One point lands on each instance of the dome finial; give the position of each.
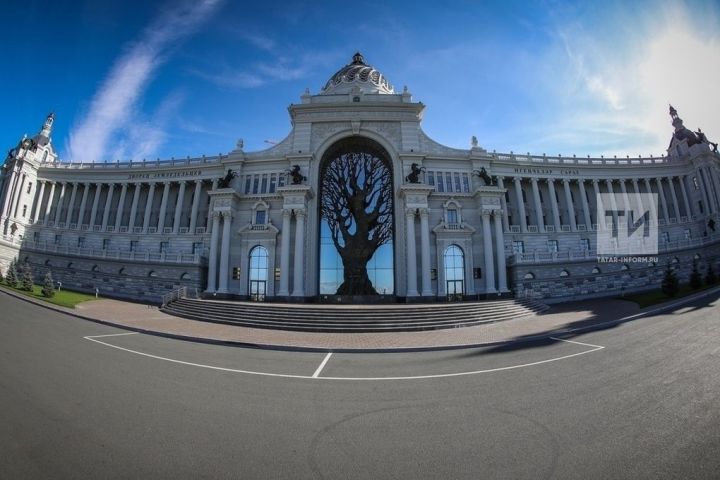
(358, 59)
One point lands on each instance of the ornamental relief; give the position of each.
(321, 131)
(388, 130)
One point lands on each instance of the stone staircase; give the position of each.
(353, 318)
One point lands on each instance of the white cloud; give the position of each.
(113, 109)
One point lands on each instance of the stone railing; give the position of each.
(560, 160)
(173, 162)
(133, 256)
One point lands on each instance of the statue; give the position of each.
(297, 177)
(703, 139)
(711, 224)
(225, 181)
(240, 144)
(474, 142)
(489, 180)
(414, 175)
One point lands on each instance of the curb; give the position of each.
(540, 338)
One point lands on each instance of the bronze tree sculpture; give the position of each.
(357, 204)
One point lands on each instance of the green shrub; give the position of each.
(670, 283)
(48, 289)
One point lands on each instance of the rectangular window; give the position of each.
(448, 181)
(273, 179)
(256, 184)
(29, 187)
(264, 184)
(452, 216)
(458, 187)
(58, 239)
(552, 246)
(133, 245)
(666, 236)
(106, 243)
(507, 197)
(440, 183)
(585, 243)
(700, 207)
(540, 194)
(687, 234)
(466, 183)
(696, 184)
(248, 179)
(164, 246)
(281, 180)
(36, 236)
(197, 247)
(260, 217)
(523, 195)
(431, 178)
(81, 242)
(24, 210)
(518, 246)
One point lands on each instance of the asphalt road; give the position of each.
(647, 405)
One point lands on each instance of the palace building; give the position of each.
(357, 204)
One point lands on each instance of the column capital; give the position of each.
(286, 212)
(226, 214)
(300, 213)
(486, 213)
(423, 212)
(410, 212)
(550, 181)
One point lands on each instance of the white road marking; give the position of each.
(322, 365)
(576, 343)
(111, 335)
(317, 372)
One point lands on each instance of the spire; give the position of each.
(47, 125)
(676, 120)
(358, 59)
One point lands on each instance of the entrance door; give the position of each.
(454, 290)
(257, 290)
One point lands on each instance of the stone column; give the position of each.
(39, 204)
(600, 213)
(521, 204)
(538, 206)
(625, 197)
(134, 207)
(689, 210)
(663, 203)
(713, 180)
(411, 254)
(500, 247)
(503, 205)
(163, 208)
(638, 195)
(585, 206)
(569, 201)
(488, 252)
(553, 204)
(108, 205)
(19, 196)
(178, 206)
(50, 202)
(121, 207)
(613, 203)
(213, 257)
(703, 191)
(425, 253)
(298, 270)
(71, 205)
(94, 208)
(195, 205)
(61, 199)
(653, 204)
(673, 195)
(9, 189)
(148, 208)
(285, 254)
(225, 253)
(83, 204)
(209, 225)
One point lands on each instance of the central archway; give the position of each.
(356, 220)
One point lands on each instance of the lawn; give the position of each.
(646, 299)
(64, 298)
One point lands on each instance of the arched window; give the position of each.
(454, 264)
(152, 274)
(69, 265)
(675, 260)
(185, 276)
(258, 273)
(625, 266)
(122, 271)
(564, 273)
(95, 268)
(47, 263)
(596, 270)
(529, 276)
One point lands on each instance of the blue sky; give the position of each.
(159, 79)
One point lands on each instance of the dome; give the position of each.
(357, 73)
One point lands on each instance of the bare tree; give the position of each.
(357, 203)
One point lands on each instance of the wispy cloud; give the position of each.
(113, 110)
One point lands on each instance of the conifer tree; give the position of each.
(26, 277)
(695, 277)
(48, 289)
(710, 277)
(670, 284)
(11, 277)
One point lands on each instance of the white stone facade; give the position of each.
(138, 229)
